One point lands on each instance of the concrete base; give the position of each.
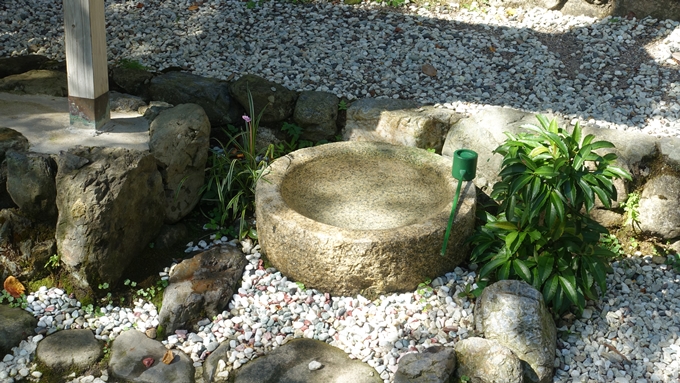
(361, 217)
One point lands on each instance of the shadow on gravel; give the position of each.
(515, 67)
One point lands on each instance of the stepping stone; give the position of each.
(15, 326)
(309, 361)
(132, 347)
(70, 350)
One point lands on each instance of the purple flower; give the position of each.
(245, 118)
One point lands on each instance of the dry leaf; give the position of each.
(429, 70)
(13, 287)
(168, 357)
(148, 362)
(140, 5)
(510, 12)
(193, 7)
(492, 49)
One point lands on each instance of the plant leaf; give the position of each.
(522, 270)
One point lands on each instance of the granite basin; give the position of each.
(361, 217)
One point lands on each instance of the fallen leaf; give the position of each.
(140, 5)
(429, 70)
(168, 357)
(148, 362)
(193, 7)
(13, 287)
(398, 30)
(492, 49)
(510, 12)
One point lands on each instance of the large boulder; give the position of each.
(201, 286)
(383, 120)
(47, 82)
(9, 139)
(316, 113)
(20, 64)
(487, 361)
(25, 245)
(434, 365)
(132, 347)
(15, 326)
(70, 350)
(133, 80)
(277, 101)
(293, 363)
(658, 211)
(111, 205)
(513, 314)
(180, 139)
(30, 183)
(211, 94)
(659, 9)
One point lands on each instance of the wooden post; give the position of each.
(88, 81)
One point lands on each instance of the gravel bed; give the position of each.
(614, 73)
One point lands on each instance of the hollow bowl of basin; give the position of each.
(362, 217)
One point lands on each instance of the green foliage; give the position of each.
(300, 286)
(53, 262)
(612, 243)
(342, 105)
(630, 207)
(672, 260)
(233, 174)
(131, 64)
(540, 234)
(13, 302)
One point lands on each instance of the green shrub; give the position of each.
(233, 173)
(543, 234)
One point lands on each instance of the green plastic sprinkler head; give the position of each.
(464, 168)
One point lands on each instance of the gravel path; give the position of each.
(616, 73)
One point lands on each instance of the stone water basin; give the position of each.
(361, 217)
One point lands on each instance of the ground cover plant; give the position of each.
(542, 233)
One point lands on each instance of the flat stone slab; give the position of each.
(362, 217)
(15, 325)
(290, 363)
(130, 349)
(70, 349)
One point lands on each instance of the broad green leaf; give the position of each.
(553, 128)
(581, 156)
(557, 204)
(522, 270)
(550, 288)
(535, 235)
(528, 161)
(538, 150)
(568, 284)
(588, 139)
(577, 133)
(545, 266)
(610, 157)
(510, 238)
(602, 196)
(616, 172)
(519, 183)
(503, 225)
(491, 266)
(601, 145)
(545, 171)
(504, 271)
(512, 169)
(587, 193)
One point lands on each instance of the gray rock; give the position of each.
(487, 361)
(169, 235)
(363, 116)
(211, 362)
(607, 218)
(590, 8)
(151, 111)
(131, 347)
(201, 287)
(483, 133)
(111, 205)
(26, 244)
(434, 365)
(133, 81)
(290, 364)
(20, 64)
(15, 326)
(211, 94)
(70, 350)
(658, 208)
(47, 82)
(122, 102)
(424, 127)
(316, 113)
(513, 314)
(6, 201)
(179, 140)
(670, 152)
(9, 139)
(30, 183)
(277, 101)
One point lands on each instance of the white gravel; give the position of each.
(614, 73)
